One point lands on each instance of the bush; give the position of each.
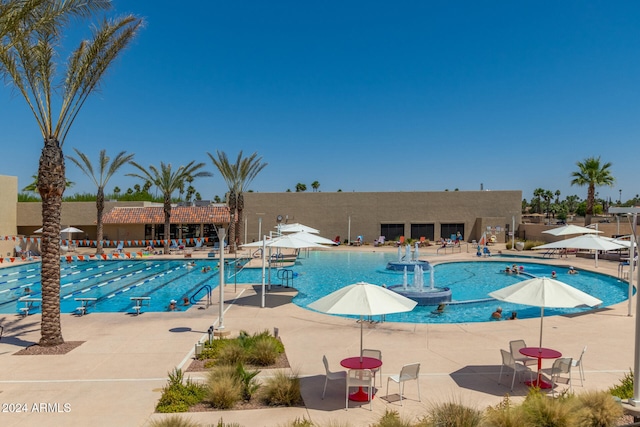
(624, 390)
(282, 390)
(528, 244)
(599, 409)
(264, 352)
(247, 381)
(452, 414)
(224, 389)
(174, 421)
(232, 353)
(392, 419)
(504, 414)
(539, 410)
(178, 396)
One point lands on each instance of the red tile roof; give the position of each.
(179, 215)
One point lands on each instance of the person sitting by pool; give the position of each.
(554, 275)
(172, 305)
(514, 315)
(185, 300)
(497, 315)
(573, 270)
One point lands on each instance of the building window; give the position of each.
(392, 231)
(450, 230)
(423, 230)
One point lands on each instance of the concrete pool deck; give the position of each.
(116, 375)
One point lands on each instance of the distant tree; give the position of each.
(106, 169)
(557, 194)
(137, 188)
(301, 187)
(129, 191)
(216, 199)
(288, 190)
(116, 190)
(238, 177)
(592, 174)
(168, 181)
(538, 194)
(339, 190)
(315, 185)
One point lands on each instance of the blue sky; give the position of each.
(365, 95)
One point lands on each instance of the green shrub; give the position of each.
(264, 352)
(211, 350)
(541, 411)
(247, 380)
(504, 414)
(282, 390)
(599, 409)
(624, 390)
(452, 414)
(223, 424)
(178, 395)
(391, 419)
(224, 389)
(174, 421)
(528, 244)
(232, 353)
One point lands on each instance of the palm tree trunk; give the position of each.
(233, 203)
(167, 222)
(100, 210)
(51, 185)
(591, 196)
(240, 223)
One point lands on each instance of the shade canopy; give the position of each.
(71, 230)
(587, 241)
(544, 292)
(286, 241)
(294, 228)
(314, 238)
(570, 229)
(363, 299)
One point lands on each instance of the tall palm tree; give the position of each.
(105, 172)
(315, 185)
(31, 32)
(168, 181)
(238, 177)
(592, 173)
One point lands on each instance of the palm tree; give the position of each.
(167, 181)
(33, 186)
(300, 187)
(105, 172)
(591, 173)
(238, 177)
(31, 33)
(315, 185)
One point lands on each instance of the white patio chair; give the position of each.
(331, 376)
(360, 378)
(407, 373)
(577, 363)
(376, 354)
(561, 367)
(515, 347)
(510, 362)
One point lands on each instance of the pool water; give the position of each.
(317, 274)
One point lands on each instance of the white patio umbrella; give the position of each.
(294, 228)
(544, 292)
(569, 229)
(303, 235)
(39, 230)
(69, 231)
(363, 299)
(586, 241)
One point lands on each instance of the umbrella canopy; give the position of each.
(587, 241)
(294, 228)
(303, 235)
(71, 230)
(39, 230)
(544, 292)
(569, 229)
(287, 241)
(363, 299)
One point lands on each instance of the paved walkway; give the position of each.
(115, 377)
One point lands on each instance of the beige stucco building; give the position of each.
(368, 214)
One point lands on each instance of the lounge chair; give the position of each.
(120, 247)
(198, 246)
(19, 251)
(379, 241)
(337, 240)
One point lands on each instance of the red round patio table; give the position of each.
(540, 353)
(359, 363)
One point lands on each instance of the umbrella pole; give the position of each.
(541, 323)
(361, 322)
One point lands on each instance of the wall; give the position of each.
(330, 212)
(8, 213)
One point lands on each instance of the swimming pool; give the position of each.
(319, 273)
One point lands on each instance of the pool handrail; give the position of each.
(205, 287)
